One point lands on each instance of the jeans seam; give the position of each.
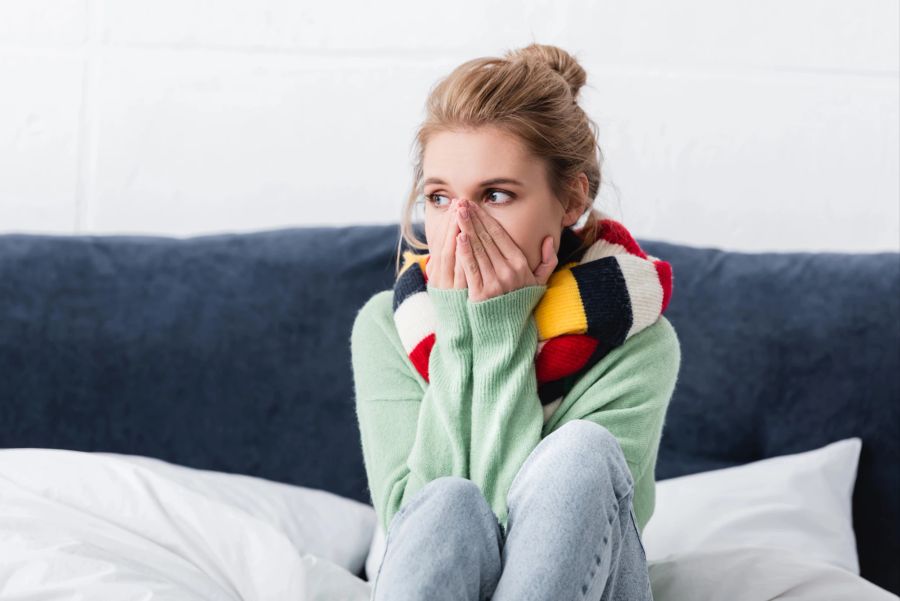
(637, 530)
(597, 552)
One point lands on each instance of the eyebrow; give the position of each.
(488, 182)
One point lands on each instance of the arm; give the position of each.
(628, 392)
(412, 431)
(506, 412)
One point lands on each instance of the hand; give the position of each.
(442, 268)
(492, 261)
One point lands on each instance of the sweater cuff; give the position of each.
(503, 317)
(451, 317)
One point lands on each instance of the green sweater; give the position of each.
(480, 416)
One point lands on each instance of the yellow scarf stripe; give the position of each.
(560, 310)
(410, 257)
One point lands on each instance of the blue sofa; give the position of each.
(231, 352)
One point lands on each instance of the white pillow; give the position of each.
(96, 526)
(800, 502)
(318, 522)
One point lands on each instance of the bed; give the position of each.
(177, 420)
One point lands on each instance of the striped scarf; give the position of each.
(596, 299)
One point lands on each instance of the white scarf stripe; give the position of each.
(644, 290)
(415, 320)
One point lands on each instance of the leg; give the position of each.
(444, 543)
(571, 532)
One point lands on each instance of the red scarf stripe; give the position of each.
(664, 269)
(562, 355)
(615, 233)
(419, 355)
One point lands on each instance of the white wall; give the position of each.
(769, 125)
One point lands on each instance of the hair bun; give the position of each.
(557, 59)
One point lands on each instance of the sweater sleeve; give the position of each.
(412, 431)
(506, 411)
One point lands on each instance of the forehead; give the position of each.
(474, 154)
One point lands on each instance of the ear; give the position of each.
(577, 201)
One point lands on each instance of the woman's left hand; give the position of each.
(492, 261)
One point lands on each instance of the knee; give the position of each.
(449, 523)
(455, 499)
(583, 432)
(594, 451)
(454, 490)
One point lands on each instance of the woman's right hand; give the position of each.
(442, 269)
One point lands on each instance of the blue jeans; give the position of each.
(571, 532)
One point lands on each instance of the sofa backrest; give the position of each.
(231, 352)
(784, 353)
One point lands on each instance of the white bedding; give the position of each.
(113, 529)
(756, 574)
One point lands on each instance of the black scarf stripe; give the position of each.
(605, 299)
(411, 281)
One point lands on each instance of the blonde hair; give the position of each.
(531, 93)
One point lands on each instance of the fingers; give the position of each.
(434, 258)
(470, 265)
(477, 247)
(448, 248)
(483, 236)
(549, 261)
(459, 273)
(501, 237)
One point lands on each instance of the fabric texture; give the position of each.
(480, 416)
(596, 298)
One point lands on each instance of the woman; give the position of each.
(511, 388)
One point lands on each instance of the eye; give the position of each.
(497, 191)
(431, 199)
(434, 196)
